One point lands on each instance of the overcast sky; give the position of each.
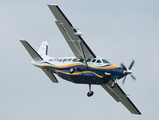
(118, 30)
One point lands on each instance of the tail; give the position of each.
(43, 50)
(37, 56)
(42, 53)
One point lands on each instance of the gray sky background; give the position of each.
(118, 30)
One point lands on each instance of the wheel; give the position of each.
(72, 70)
(113, 85)
(89, 94)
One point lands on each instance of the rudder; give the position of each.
(43, 50)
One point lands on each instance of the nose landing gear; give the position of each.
(114, 83)
(90, 93)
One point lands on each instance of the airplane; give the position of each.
(85, 67)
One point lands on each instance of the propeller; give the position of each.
(128, 71)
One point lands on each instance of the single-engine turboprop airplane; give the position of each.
(85, 67)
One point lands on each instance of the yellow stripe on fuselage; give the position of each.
(64, 66)
(78, 73)
(107, 67)
(82, 72)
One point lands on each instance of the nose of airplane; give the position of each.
(126, 72)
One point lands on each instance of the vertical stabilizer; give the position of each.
(43, 50)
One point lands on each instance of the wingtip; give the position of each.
(138, 113)
(22, 40)
(52, 5)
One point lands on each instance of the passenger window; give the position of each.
(81, 60)
(69, 59)
(98, 61)
(74, 59)
(59, 60)
(88, 60)
(93, 60)
(64, 60)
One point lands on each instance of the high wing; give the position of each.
(118, 94)
(72, 36)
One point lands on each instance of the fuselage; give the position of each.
(97, 70)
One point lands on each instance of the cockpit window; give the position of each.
(105, 61)
(59, 60)
(98, 61)
(64, 60)
(69, 59)
(93, 60)
(74, 59)
(88, 60)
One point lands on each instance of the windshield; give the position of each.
(105, 61)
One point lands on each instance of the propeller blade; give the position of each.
(127, 71)
(133, 77)
(123, 66)
(131, 64)
(124, 80)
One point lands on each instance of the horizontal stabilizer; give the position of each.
(31, 51)
(51, 76)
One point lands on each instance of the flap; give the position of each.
(72, 36)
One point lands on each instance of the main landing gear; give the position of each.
(90, 93)
(72, 70)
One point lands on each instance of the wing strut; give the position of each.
(83, 53)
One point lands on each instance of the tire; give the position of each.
(89, 94)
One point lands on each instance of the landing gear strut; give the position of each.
(114, 83)
(90, 93)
